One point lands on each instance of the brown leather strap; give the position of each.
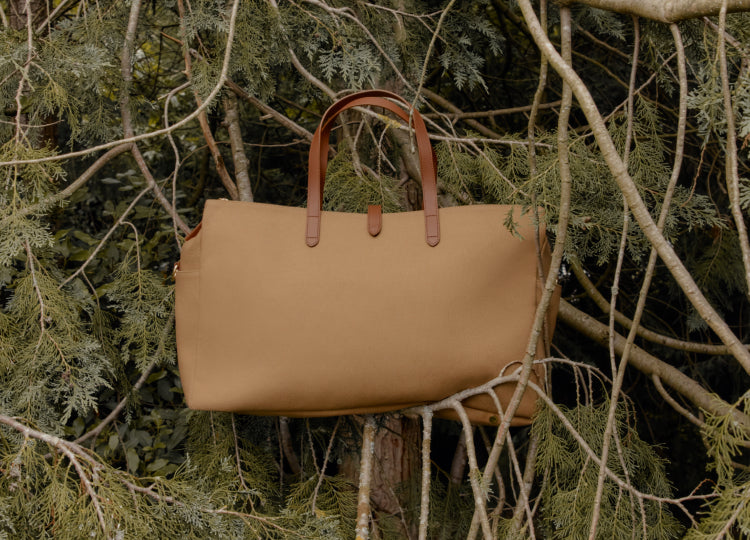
(374, 219)
(326, 128)
(319, 161)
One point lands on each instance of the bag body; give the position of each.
(361, 319)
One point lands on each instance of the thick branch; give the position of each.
(648, 364)
(666, 11)
(630, 192)
(645, 333)
(365, 475)
(238, 148)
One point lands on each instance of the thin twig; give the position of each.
(456, 113)
(538, 94)
(618, 371)
(177, 162)
(237, 459)
(71, 188)
(158, 193)
(480, 495)
(103, 241)
(649, 335)
(673, 403)
(310, 77)
(325, 464)
(60, 7)
(35, 283)
(460, 115)
(221, 168)
(526, 482)
(428, 54)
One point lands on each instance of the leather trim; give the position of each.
(318, 161)
(374, 219)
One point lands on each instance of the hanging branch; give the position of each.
(221, 168)
(327, 457)
(541, 311)
(630, 191)
(570, 428)
(126, 69)
(75, 455)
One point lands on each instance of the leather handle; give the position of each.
(319, 161)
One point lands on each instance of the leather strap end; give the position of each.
(374, 219)
(432, 227)
(313, 230)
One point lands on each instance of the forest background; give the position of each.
(629, 123)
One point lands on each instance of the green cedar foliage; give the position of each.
(571, 482)
(73, 347)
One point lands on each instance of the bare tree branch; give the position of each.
(630, 192)
(650, 365)
(666, 11)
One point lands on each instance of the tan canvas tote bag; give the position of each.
(300, 312)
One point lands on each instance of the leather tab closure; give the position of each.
(374, 219)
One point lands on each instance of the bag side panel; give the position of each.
(187, 313)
